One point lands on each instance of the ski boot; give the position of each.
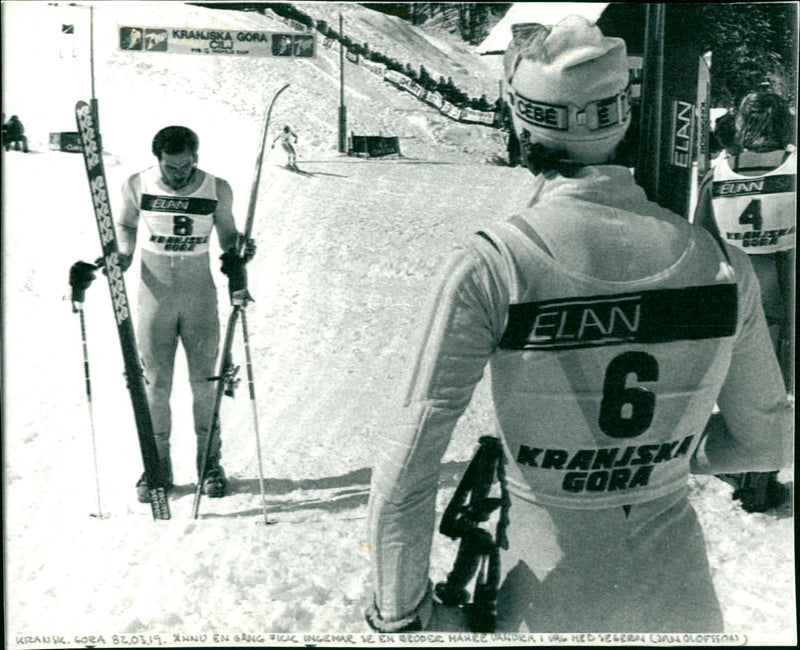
(214, 483)
(143, 490)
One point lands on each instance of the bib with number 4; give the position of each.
(756, 213)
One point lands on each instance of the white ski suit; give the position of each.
(177, 298)
(611, 327)
(755, 210)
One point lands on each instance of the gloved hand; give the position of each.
(249, 248)
(234, 267)
(232, 264)
(123, 260)
(81, 276)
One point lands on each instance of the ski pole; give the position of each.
(225, 376)
(226, 369)
(251, 387)
(77, 306)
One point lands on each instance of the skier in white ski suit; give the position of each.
(611, 326)
(177, 300)
(749, 199)
(288, 140)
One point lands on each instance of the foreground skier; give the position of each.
(611, 326)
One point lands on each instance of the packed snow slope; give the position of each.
(139, 92)
(347, 259)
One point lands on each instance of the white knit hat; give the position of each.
(568, 87)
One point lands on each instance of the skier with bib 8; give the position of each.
(611, 326)
(180, 205)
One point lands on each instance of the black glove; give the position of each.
(232, 264)
(235, 268)
(123, 260)
(248, 249)
(81, 276)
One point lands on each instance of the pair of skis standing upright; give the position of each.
(95, 171)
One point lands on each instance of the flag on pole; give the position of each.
(66, 45)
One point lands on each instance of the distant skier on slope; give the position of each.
(180, 205)
(288, 140)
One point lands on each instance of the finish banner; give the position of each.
(182, 40)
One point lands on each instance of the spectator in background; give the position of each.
(14, 134)
(748, 199)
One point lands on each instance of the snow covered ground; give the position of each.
(346, 260)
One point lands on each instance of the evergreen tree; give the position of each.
(751, 43)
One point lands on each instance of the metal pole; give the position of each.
(91, 46)
(226, 376)
(251, 387)
(93, 102)
(342, 109)
(77, 306)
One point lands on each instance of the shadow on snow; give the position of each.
(339, 493)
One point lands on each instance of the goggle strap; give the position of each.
(595, 115)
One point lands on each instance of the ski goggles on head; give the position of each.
(595, 116)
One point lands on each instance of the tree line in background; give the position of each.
(445, 87)
(471, 20)
(752, 44)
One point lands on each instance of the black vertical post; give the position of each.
(648, 166)
(669, 101)
(342, 109)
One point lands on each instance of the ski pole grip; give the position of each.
(78, 294)
(81, 275)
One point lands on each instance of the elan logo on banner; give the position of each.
(180, 40)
